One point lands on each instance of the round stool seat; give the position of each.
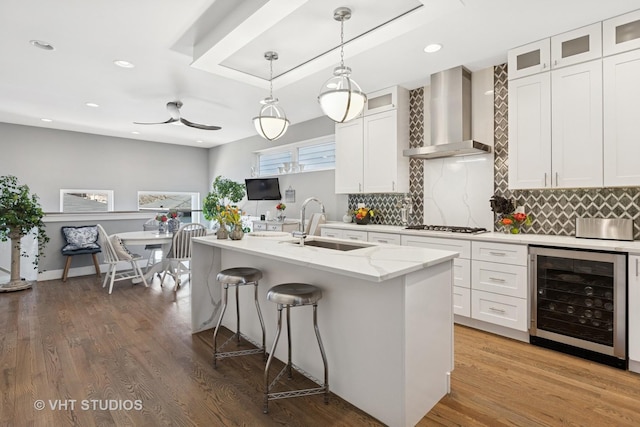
(239, 275)
(294, 294)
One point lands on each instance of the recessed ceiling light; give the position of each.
(46, 120)
(124, 64)
(199, 141)
(41, 44)
(91, 104)
(433, 48)
(135, 132)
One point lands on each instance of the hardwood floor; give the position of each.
(129, 359)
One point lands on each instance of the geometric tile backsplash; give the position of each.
(554, 211)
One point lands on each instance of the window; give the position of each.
(311, 155)
(86, 200)
(161, 201)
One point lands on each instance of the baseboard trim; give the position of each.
(88, 270)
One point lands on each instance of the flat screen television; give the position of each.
(263, 189)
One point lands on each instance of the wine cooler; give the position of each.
(579, 303)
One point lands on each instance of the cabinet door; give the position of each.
(573, 47)
(634, 308)
(380, 152)
(576, 123)
(349, 148)
(384, 238)
(621, 34)
(331, 232)
(530, 132)
(529, 59)
(621, 123)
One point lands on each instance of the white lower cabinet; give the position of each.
(633, 300)
(275, 226)
(499, 284)
(461, 267)
(344, 234)
(383, 238)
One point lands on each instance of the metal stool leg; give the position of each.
(255, 298)
(289, 370)
(270, 359)
(324, 357)
(215, 333)
(237, 314)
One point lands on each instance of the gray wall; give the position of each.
(234, 161)
(48, 160)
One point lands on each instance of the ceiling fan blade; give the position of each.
(198, 126)
(157, 123)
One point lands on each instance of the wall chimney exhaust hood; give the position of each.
(450, 118)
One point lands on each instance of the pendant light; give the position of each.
(272, 121)
(341, 98)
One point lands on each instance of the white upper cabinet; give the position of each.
(530, 132)
(573, 47)
(622, 119)
(621, 34)
(382, 100)
(529, 59)
(349, 157)
(369, 149)
(576, 126)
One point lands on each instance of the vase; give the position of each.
(346, 218)
(162, 227)
(281, 216)
(363, 221)
(222, 233)
(174, 225)
(236, 234)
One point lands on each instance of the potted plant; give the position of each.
(224, 192)
(20, 215)
(233, 218)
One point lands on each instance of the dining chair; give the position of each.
(115, 251)
(80, 241)
(178, 261)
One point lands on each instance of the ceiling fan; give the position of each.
(174, 112)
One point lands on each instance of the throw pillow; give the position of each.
(122, 252)
(84, 237)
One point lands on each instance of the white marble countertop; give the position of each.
(522, 239)
(375, 262)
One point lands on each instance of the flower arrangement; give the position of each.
(233, 217)
(173, 213)
(281, 206)
(514, 221)
(363, 215)
(162, 218)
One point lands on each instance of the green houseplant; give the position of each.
(224, 191)
(20, 215)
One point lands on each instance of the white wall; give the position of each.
(48, 160)
(234, 161)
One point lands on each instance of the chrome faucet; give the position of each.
(301, 233)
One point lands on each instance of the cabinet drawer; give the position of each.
(462, 272)
(355, 235)
(503, 253)
(331, 232)
(499, 309)
(462, 301)
(274, 227)
(461, 246)
(386, 238)
(502, 279)
(257, 226)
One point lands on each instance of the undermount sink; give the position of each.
(328, 244)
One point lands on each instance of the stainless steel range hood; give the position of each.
(450, 118)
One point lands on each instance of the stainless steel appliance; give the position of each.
(579, 301)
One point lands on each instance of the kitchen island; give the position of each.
(385, 317)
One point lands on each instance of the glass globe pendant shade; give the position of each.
(341, 99)
(272, 122)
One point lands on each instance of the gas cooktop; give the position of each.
(448, 229)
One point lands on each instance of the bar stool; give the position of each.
(289, 295)
(237, 277)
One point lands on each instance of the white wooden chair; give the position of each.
(115, 251)
(178, 261)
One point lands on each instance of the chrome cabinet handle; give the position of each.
(545, 179)
(393, 185)
(636, 267)
(497, 310)
(360, 187)
(557, 183)
(382, 241)
(497, 253)
(497, 279)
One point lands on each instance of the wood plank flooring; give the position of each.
(129, 359)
